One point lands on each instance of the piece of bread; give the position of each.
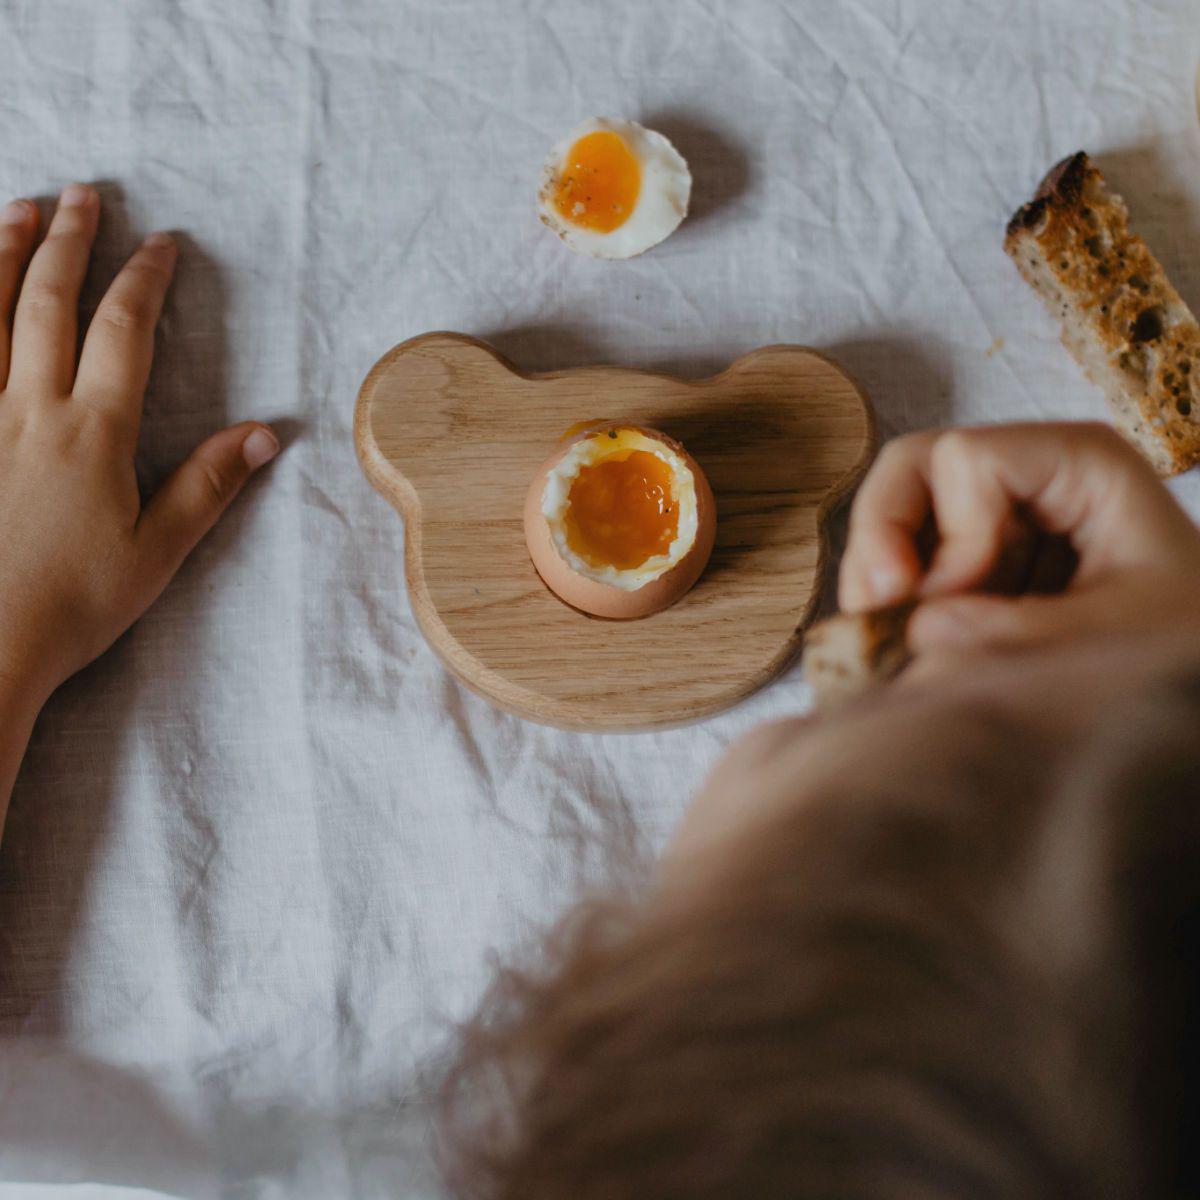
(852, 652)
(1121, 319)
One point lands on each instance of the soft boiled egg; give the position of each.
(619, 521)
(611, 189)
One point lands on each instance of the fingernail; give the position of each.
(159, 241)
(886, 584)
(259, 448)
(75, 195)
(15, 212)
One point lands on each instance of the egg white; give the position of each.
(595, 449)
(662, 201)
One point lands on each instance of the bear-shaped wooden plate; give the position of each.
(451, 434)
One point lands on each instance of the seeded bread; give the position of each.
(1121, 319)
(852, 652)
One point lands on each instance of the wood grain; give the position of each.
(451, 433)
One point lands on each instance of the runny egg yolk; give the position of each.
(599, 182)
(622, 511)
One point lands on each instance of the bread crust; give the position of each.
(850, 653)
(1122, 320)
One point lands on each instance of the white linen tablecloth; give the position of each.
(262, 853)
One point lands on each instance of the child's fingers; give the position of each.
(18, 227)
(189, 503)
(115, 363)
(974, 513)
(979, 622)
(1080, 481)
(881, 565)
(44, 331)
(985, 490)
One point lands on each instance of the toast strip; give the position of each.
(1123, 322)
(850, 653)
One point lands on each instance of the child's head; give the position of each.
(909, 955)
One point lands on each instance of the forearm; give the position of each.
(19, 707)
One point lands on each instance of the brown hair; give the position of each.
(943, 989)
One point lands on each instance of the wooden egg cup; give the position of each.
(451, 433)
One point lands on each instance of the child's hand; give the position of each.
(80, 557)
(1138, 553)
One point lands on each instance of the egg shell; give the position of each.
(603, 599)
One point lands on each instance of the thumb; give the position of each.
(188, 505)
(979, 622)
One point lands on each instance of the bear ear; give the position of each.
(414, 397)
(430, 364)
(450, 352)
(772, 362)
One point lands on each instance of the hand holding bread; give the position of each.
(1005, 502)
